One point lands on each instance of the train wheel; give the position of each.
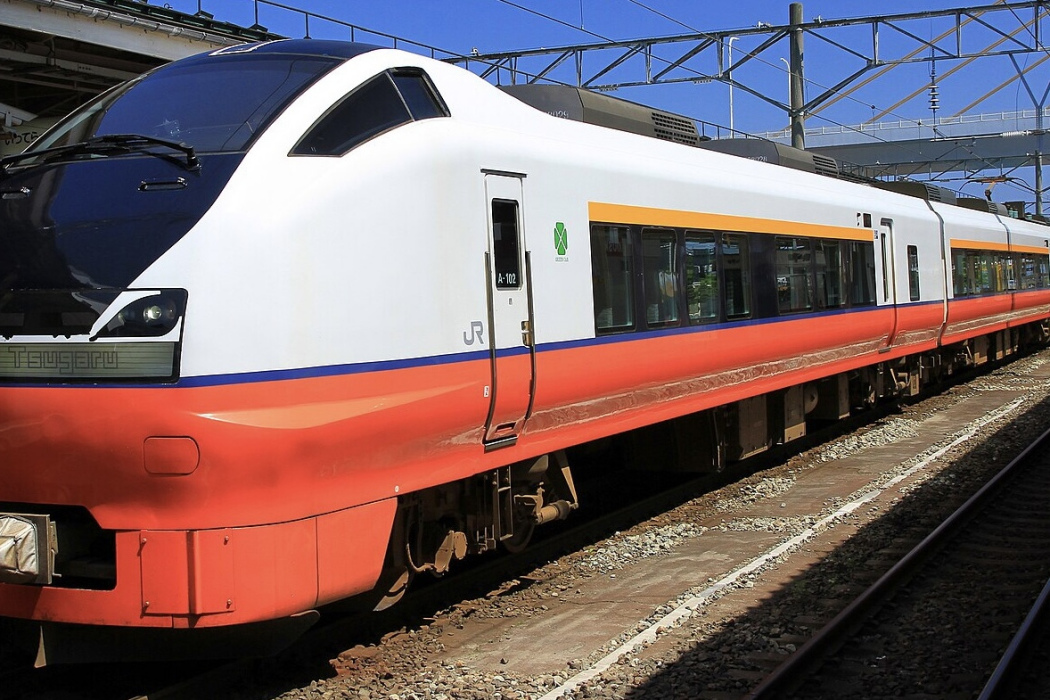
(524, 526)
(863, 389)
(545, 493)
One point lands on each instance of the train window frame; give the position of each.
(963, 283)
(985, 272)
(614, 297)
(999, 271)
(356, 118)
(419, 94)
(660, 285)
(863, 288)
(1033, 271)
(703, 288)
(737, 277)
(973, 263)
(913, 273)
(794, 274)
(830, 274)
(1011, 272)
(1025, 266)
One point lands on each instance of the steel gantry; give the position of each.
(854, 53)
(978, 32)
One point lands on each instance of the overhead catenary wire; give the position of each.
(604, 38)
(496, 65)
(753, 56)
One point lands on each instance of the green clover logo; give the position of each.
(561, 238)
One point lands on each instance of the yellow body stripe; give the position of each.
(987, 245)
(650, 216)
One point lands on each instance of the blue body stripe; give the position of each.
(473, 356)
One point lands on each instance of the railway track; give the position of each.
(933, 623)
(1021, 670)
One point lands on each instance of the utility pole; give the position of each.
(1039, 103)
(798, 119)
(732, 131)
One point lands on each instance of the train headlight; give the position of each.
(148, 317)
(152, 314)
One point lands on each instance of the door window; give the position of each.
(505, 252)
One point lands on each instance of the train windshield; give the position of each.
(210, 105)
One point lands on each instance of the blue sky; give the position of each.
(503, 25)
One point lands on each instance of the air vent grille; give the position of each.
(933, 193)
(979, 204)
(670, 127)
(825, 165)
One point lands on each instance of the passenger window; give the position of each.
(829, 274)
(862, 273)
(962, 279)
(1000, 272)
(736, 263)
(1033, 272)
(611, 267)
(913, 273)
(701, 277)
(973, 263)
(659, 277)
(384, 102)
(794, 286)
(1025, 272)
(506, 257)
(985, 273)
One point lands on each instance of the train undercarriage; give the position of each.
(443, 524)
(499, 508)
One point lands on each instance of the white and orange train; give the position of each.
(286, 323)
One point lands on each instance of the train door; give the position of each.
(889, 274)
(510, 311)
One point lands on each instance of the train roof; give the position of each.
(578, 104)
(302, 47)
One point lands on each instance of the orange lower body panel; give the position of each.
(204, 578)
(972, 316)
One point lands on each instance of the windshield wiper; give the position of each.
(111, 144)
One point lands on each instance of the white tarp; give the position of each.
(19, 560)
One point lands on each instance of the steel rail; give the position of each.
(785, 677)
(1009, 665)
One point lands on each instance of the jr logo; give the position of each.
(476, 332)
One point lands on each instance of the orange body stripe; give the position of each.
(627, 214)
(964, 244)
